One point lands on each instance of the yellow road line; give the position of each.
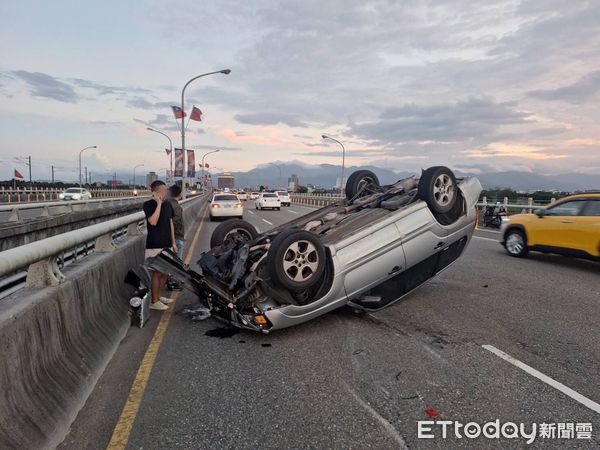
(120, 436)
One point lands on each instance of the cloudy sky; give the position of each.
(475, 85)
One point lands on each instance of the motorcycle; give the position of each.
(492, 216)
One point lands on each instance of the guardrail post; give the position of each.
(133, 229)
(105, 243)
(44, 273)
(15, 216)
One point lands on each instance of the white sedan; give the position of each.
(225, 205)
(254, 195)
(284, 197)
(75, 194)
(268, 200)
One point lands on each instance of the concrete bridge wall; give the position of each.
(56, 341)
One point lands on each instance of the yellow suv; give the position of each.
(571, 226)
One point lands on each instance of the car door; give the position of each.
(588, 238)
(558, 226)
(370, 258)
(422, 236)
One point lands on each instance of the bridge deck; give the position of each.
(357, 382)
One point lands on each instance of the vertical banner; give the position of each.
(170, 177)
(191, 164)
(178, 162)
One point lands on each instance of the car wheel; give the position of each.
(438, 188)
(296, 260)
(231, 227)
(212, 219)
(361, 182)
(516, 243)
(278, 209)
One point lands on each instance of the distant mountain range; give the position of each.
(326, 176)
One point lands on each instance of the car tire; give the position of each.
(357, 179)
(212, 219)
(278, 209)
(296, 260)
(438, 188)
(229, 227)
(515, 243)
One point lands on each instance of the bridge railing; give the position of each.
(24, 194)
(320, 200)
(14, 212)
(39, 263)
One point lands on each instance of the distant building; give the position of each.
(151, 177)
(293, 182)
(226, 180)
(114, 183)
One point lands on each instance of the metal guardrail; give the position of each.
(41, 258)
(320, 200)
(24, 195)
(14, 212)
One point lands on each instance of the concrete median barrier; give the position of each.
(56, 341)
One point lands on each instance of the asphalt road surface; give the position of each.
(351, 381)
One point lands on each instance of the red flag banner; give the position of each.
(178, 162)
(191, 164)
(178, 112)
(196, 114)
(18, 174)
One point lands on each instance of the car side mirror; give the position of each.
(540, 212)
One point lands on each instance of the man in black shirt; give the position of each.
(161, 235)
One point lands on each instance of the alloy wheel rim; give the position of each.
(443, 189)
(515, 244)
(300, 261)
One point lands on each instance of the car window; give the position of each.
(225, 198)
(282, 193)
(592, 208)
(269, 195)
(73, 191)
(572, 208)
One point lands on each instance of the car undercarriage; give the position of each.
(297, 271)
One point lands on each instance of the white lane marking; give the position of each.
(293, 212)
(250, 212)
(486, 239)
(485, 230)
(546, 379)
(265, 220)
(382, 420)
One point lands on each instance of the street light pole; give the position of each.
(82, 150)
(135, 167)
(342, 187)
(204, 156)
(170, 147)
(184, 181)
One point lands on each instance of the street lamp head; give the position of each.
(94, 146)
(149, 129)
(217, 151)
(324, 136)
(226, 71)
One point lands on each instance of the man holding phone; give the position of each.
(161, 235)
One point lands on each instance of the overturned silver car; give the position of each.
(368, 250)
